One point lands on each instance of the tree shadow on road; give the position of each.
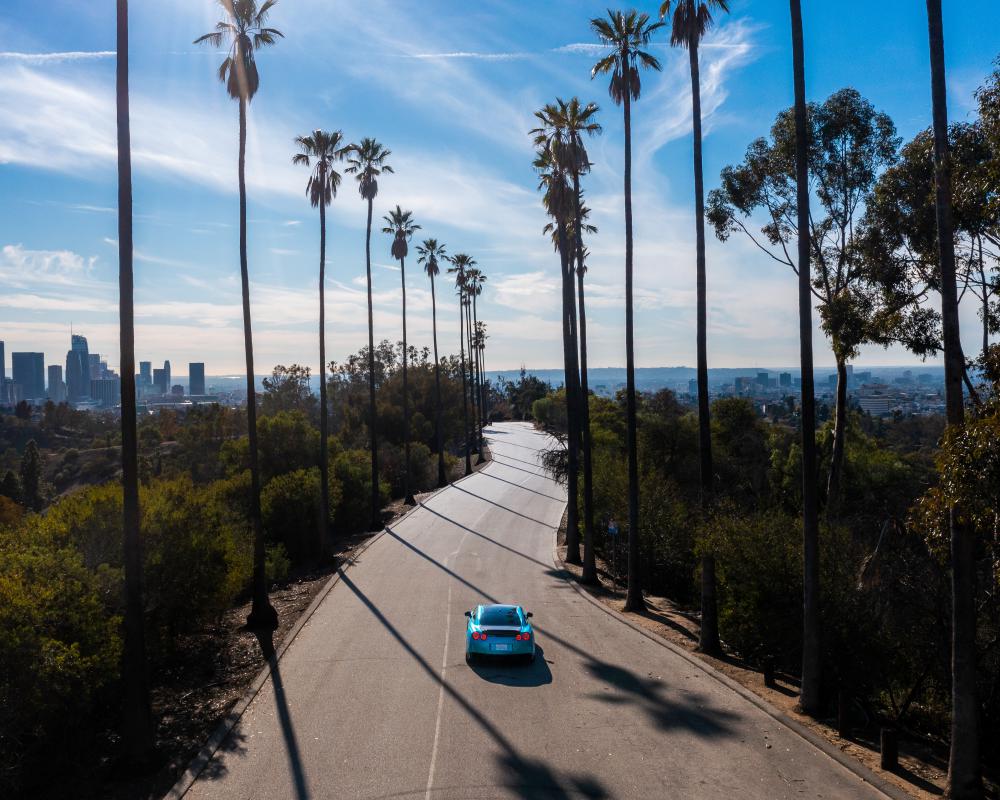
(486, 474)
(502, 506)
(679, 711)
(502, 670)
(284, 716)
(530, 778)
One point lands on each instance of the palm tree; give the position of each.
(551, 164)
(400, 225)
(692, 18)
(322, 150)
(367, 161)
(577, 120)
(476, 282)
(137, 728)
(430, 253)
(461, 264)
(245, 29)
(964, 776)
(809, 693)
(625, 33)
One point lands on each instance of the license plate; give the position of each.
(500, 647)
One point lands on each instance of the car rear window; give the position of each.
(502, 615)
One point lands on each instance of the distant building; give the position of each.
(177, 390)
(94, 366)
(693, 387)
(6, 392)
(3, 370)
(106, 392)
(78, 370)
(159, 382)
(742, 384)
(831, 381)
(28, 371)
(196, 378)
(877, 406)
(146, 372)
(57, 389)
(166, 377)
(762, 379)
(864, 377)
(785, 379)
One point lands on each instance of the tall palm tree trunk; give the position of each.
(442, 480)
(472, 381)
(465, 391)
(633, 596)
(407, 489)
(376, 522)
(809, 693)
(137, 723)
(708, 640)
(262, 614)
(479, 368)
(964, 773)
(324, 466)
(478, 384)
(569, 369)
(839, 436)
(589, 558)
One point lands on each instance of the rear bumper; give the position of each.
(489, 647)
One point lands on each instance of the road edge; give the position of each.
(197, 764)
(859, 770)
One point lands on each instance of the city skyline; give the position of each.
(462, 164)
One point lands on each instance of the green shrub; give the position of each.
(70, 456)
(290, 509)
(392, 467)
(277, 564)
(60, 651)
(352, 469)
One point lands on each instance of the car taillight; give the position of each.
(518, 637)
(482, 635)
(526, 637)
(475, 634)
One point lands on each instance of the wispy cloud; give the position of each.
(52, 58)
(475, 56)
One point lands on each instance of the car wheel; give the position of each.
(470, 658)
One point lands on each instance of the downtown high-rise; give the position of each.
(78, 370)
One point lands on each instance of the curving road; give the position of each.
(374, 699)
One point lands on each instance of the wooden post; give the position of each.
(769, 672)
(843, 713)
(889, 748)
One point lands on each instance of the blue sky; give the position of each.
(450, 88)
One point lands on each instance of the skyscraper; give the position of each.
(94, 365)
(57, 389)
(785, 379)
(78, 370)
(28, 370)
(3, 366)
(146, 372)
(159, 382)
(166, 377)
(196, 378)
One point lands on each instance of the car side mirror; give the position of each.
(529, 615)
(468, 614)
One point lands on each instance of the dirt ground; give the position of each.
(923, 765)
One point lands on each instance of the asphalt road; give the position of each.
(374, 699)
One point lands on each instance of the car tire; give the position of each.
(470, 658)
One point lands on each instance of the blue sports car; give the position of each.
(499, 631)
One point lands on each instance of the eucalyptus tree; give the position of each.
(321, 150)
(964, 772)
(691, 20)
(461, 263)
(246, 31)
(400, 225)
(625, 34)
(850, 146)
(557, 198)
(137, 720)
(368, 161)
(809, 692)
(901, 230)
(430, 253)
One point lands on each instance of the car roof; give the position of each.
(499, 607)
